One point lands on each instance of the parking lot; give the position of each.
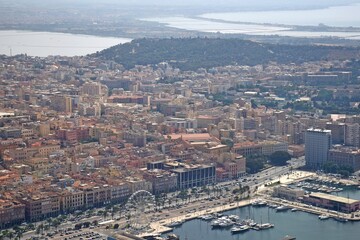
(79, 235)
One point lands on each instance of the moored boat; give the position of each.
(340, 219)
(238, 229)
(265, 226)
(282, 208)
(175, 224)
(324, 217)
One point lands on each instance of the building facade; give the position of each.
(317, 145)
(194, 176)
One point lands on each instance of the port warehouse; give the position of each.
(323, 200)
(332, 202)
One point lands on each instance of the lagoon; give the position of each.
(212, 26)
(43, 44)
(339, 16)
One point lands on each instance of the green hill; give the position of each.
(194, 53)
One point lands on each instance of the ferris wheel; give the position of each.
(137, 207)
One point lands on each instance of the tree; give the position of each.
(114, 210)
(78, 226)
(279, 158)
(10, 235)
(56, 223)
(49, 221)
(86, 224)
(227, 141)
(105, 213)
(254, 165)
(40, 228)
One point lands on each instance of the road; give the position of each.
(202, 202)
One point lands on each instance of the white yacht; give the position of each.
(238, 229)
(324, 217)
(265, 226)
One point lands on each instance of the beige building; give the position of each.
(41, 206)
(44, 129)
(343, 156)
(269, 147)
(288, 193)
(71, 200)
(95, 196)
(11, 212)
(136, 184)
(61, 103)
(120, 192)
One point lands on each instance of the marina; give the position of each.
(276, 216)
(293, 224)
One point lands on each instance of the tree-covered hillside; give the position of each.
(194, 53)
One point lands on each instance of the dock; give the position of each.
(314, 210)
(160, 227)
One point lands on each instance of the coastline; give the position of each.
(159, 227)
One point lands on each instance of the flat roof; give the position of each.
(199, 137)
(318, 130)
(334, 198)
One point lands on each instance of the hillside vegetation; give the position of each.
(194, 53)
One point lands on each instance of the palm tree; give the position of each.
(169, 201)
(56, 223)
(30, 226)
(49, 221)
(105, 213)
(113, 211)
(5, 233)
(19, 234)
(40, 228)
(10, 234)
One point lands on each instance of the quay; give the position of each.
(159, 227)
(314, 210)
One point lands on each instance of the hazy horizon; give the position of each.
(261, 4)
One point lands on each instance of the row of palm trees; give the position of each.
(15, 233)
(185, 195)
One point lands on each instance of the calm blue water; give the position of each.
(42, 44)
(352, 193)
(339, 16)
(243, 22)
(302, 225)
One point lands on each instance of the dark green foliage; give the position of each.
(253, 103)
(344, 171)
(195, 53)
(255, 164)
(279, 158)
(324, 95)
(270, 103)
(300, 106)
(227, 141)
(222, 97)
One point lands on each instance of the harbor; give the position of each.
(295, 224)
(258, 213)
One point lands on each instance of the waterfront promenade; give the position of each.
(160, 227)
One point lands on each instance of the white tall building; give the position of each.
(317, 145)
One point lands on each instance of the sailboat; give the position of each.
(267, 225)
(340, 218)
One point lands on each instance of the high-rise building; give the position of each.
(317, 145)
(62, 103)
(352, 135)
(337, 132)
